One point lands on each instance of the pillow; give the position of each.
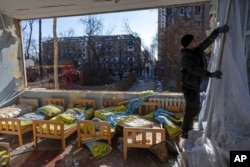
(89, 128)
(4, 156)
(82, 106)
(120, 108)
(51, 110)
(99, 149)
(89, 113)
(149, 116)
(66, 118)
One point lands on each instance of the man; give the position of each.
(193, 69)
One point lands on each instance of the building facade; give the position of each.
(176, 21)
(109, 52)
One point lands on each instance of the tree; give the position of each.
(146, 55)
(96, 45)
(93, 28)
(70, 52)
(55, 53)
(30, 46)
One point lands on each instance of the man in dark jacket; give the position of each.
(193, 69)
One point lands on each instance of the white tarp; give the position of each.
(227, 105)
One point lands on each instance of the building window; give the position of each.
(130, 42)
(98, 44)
(197, 10)
(69, 50)
(182, 11)
(130, 48)
(130, 59)
(109, 49)
(83, 55)
(108, 43)
(189, 11)
(197, 24)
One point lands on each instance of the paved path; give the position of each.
(147, 84)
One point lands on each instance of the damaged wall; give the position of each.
(11, 61)
(68, 95)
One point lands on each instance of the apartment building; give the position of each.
(173, 22)
(109, 52)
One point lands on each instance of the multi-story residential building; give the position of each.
(184, 19)
(110, 52)
(70, 50)
(118, 51)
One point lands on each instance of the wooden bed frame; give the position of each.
(57, 101)
(41, 128)
(14, 128)
(98, 131)
(113, 102)
(176, 108)
(91, 102)
(147, 107)
(141, 138)
(14, 124)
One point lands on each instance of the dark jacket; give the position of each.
(194, 63)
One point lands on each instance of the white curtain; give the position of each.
(226, 108)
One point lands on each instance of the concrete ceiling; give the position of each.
(33, 9)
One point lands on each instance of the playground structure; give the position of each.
(66, 76)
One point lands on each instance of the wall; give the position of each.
(11, 75)
(97, 95)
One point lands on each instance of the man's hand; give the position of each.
(223, 29)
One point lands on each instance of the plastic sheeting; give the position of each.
(226, 109)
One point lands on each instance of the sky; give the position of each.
(143, 22)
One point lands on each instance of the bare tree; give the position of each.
(146, 54)
(29, 43)
(93, 27)
(96, 45)
(97, 48)
(69, 33)
(70, 52)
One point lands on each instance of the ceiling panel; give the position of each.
(32, 9)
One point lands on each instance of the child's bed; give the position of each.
(89, 130)
(141, 137)
(140, 133)
(62, 129)
(108, 102)
(147, 107)
(142, 126)
(92, 130)
(18, 126)
(24, 106)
